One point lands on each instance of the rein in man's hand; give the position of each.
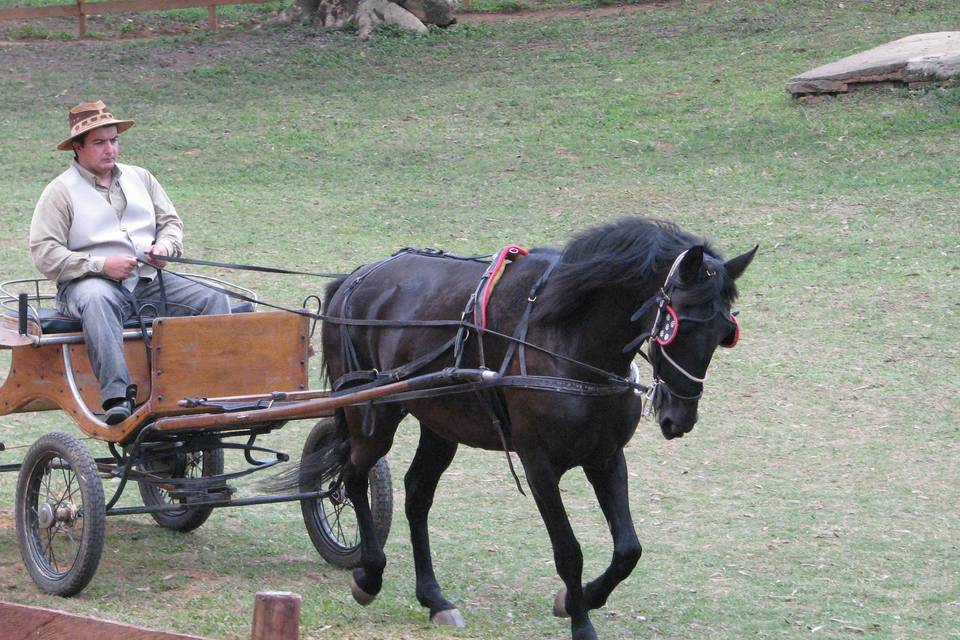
(152, 254)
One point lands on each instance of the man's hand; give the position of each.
(119, 267)
(152, 253)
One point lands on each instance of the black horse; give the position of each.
(571, 405)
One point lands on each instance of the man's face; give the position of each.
(99, 151)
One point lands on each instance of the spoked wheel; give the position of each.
(60, 514)
(195, 464)
(332, 522)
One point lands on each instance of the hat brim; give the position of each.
(121, 125)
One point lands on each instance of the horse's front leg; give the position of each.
(544, 478)
(433, 456)
(610, 485)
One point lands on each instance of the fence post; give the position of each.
(81, 20)
(276, 616)
(212, 17)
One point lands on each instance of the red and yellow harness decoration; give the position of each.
(490, 279)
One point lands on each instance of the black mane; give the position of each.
(626, 255)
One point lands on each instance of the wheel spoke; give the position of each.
(50, 555)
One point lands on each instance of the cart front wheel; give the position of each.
(60, 514)
(332, 522)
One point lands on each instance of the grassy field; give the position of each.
(818, 495)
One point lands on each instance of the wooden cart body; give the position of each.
(239, 355)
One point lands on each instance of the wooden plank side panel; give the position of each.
(89, 387)
(21, 622)
(243, 354)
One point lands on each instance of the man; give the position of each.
(89, 227)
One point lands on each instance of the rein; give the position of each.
(614, 380)
(243, 267)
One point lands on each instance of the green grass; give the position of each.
(819, 490)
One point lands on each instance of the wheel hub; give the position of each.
(45, 516)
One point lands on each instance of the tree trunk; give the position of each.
(412, 15)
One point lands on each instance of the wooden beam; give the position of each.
(111, 6)
(27, 13)
(21, 622)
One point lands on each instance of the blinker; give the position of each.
(667, 328)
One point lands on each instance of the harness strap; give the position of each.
(523, 326)
(377, 378)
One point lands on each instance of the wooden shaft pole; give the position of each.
(212, 17)
(276, 616)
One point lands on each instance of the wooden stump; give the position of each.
(276, 616)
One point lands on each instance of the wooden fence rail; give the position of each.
(276, 616)
(83, 9)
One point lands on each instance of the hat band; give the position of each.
(85, 124)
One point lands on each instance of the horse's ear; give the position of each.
(736, 266)
(691, 263)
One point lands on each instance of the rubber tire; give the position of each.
(82, 470)
(321, 527)
(188, 518)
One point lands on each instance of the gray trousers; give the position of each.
(103, 306)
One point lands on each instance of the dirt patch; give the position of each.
(196, 583)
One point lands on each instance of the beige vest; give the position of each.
(98, 230)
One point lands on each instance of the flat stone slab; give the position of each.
(920, 58)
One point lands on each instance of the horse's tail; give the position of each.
(324, 455)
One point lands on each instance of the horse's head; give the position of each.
(693, 318)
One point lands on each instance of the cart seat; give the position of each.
(52, 321)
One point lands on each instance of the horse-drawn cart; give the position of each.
(207, 385)
(564, 326)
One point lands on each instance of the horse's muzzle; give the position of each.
(675, 429)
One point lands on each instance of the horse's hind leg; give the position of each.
(610, 485)
(544, 478)
(365, 451)
(433, 456)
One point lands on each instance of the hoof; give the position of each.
(450, 617)
(361, 596)
(560, 604)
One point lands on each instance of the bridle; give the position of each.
(664, 330)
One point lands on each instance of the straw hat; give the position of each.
(91, 115)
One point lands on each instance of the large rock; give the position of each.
(924, 57)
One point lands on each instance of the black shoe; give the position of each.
(118, 410)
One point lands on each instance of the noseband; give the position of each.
(666, 326)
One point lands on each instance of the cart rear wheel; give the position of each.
(196, 464)
(60, 514)
(332, 522)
